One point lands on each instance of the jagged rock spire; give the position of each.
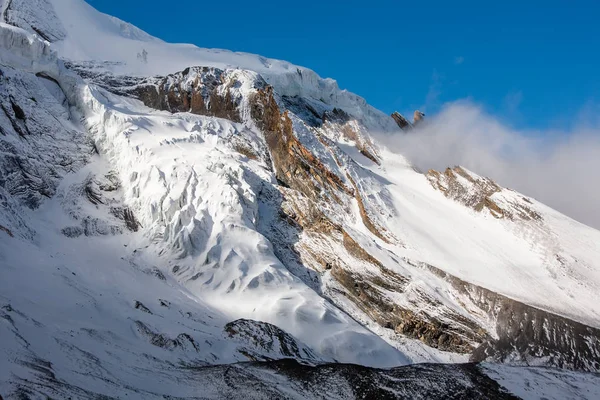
(404, 124)
(401, 121)
(418, 117)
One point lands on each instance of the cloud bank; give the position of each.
(560, 169)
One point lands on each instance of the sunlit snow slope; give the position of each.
(500, 257)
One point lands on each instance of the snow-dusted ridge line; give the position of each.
(88, 31)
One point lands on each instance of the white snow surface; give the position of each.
(515, 258)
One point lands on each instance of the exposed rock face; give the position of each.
(199, 90)
(401, 121)
(359, 277)
(420, 381)
(7, 231)
(404, 124)
(481, 194)
(296, 167)
(344, 125)
(183, 341)
(418, 117)
(526, 334)
(266, 341)
(370, 294)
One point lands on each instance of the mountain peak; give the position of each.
(418, 117)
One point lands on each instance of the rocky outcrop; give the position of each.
(369, 293)
(482, 194)
(288, 379)
(264, 341)
(183, 341)
(532, 337)
(418, 117)
(361, 278)
(404, 124)
(401, 121)
(367, 220)
(6, 230)
(349, 129)
(425, 381)
(199, 90)
(296, 166)
(528, 335)
(520, 333)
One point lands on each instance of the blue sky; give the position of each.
(532, 64)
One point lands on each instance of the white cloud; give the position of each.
(560, 169)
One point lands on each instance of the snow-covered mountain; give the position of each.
(175, 220)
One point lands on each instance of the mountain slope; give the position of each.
(212, 215)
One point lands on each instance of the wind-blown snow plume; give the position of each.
(558, 168)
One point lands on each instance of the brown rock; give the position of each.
(6, 230)
(418, 117)
(477, 193)
(401, 121)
